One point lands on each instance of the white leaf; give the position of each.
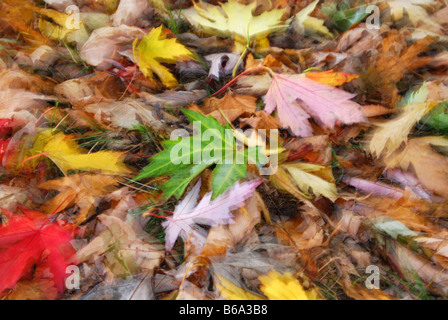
(222, 64)
(208, 212)
(105, 43)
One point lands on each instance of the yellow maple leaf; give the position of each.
(67, 155)
(233, 19)
(155, 49)
(231, 291)
(274, 286)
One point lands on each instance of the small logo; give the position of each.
(373, 281)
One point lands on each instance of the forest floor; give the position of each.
(240, 150)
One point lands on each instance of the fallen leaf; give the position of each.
(304, 23)
(67, 155)
(391, 134)
(155, 49)
(84, 191)
(308, 178)
(25, 239)
(58, 27)
(109, 43)
(429, 166)
(233, 19)
(129, 12)
(127, 114)
(126, 250)
(208, 212)
(278, 286)
(230, 107)
(334, 79)
(298, 99)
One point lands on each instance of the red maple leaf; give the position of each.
(31, 240)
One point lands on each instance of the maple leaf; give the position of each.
(394, 60)
(180, 159)
(298, 99)
(67, 155)
(307, 177)
(230, 107)
(5, 127)
(278, 286)
(208, 212)
(15, 19)
(23, 241)
(155, 49)
(274, 285)
(235, 19)
(82, 190)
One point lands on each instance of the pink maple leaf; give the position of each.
(298, 99)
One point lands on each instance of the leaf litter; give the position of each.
(347, 112)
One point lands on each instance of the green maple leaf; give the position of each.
(183, 159)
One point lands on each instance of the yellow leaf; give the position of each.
(62, 27)
(233, 19)
(308, 178)
(155, 49)
(331, 78)
(231, 291)
(390, 135)
(303, 23)
(67, 155)
(276, 286)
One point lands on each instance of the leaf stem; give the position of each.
(253, 69)
(240, 61)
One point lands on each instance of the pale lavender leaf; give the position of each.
(374, 188)
(291, 115)
(298, 98)
(407, 179)
(208, 212)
